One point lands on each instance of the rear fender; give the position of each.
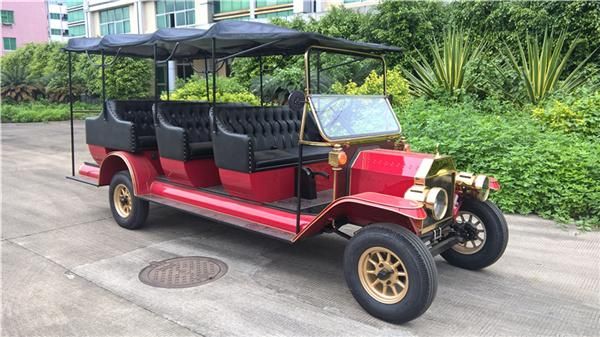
(140, 168)
(369, 207)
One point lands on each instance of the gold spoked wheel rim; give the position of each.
(477, 234)
(383, 275)
(122, 200)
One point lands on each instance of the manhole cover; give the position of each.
(183, 272)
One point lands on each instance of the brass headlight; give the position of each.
(479, 184)
(434, 199)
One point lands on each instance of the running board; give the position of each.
(222, 218)
(83, 179)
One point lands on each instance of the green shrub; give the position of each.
(41, 112)
(228, 90)
(397, 87)
(578, 114)
(543, 172)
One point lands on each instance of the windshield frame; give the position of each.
(361, 138)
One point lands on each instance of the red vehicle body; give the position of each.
(318, 164)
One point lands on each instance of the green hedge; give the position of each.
(41, 112)
(541, 171)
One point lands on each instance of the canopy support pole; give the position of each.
(71, 114)
(214, 80)
(168, 82)
(318, 72)
(155, 51)
(104, 113)
(206, 78)
(260, 62)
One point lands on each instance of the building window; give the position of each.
(269, 3)
(75, 16)
(54, 31)
(10, 43)
(8, 17)
(223, 6)
(179, 13)
(77, 30)
(115, 21)
(55, 16)
(274, 14)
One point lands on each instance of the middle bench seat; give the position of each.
(250, 139)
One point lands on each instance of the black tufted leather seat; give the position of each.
(183, 130)
(124, 125)
(249, 139)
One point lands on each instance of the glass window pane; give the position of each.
(191, 17)
(110, 15)
(160, 7)
(125, 12)
(126, 27)
(103, 29)
(342, 117)
(118, 14)
(119, 27)
(179, 5)
(170, 6)
(190, 5)
(180, 19)
(103, 16)
(160, 21)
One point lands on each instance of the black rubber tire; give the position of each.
(496, 237)
(139, 209)
(422, 272)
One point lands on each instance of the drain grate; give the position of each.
(183, 272)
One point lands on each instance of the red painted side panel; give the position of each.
(196, 173)
(244, 210)
(98, 153)
(89, 171)
(385, 171)
(271, 185)
(366, 208)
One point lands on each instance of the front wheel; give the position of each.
(483, 235)
(128, 210)
(390, 272)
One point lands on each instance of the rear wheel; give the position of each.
(390, 272)
(483, 234)
(128, 210)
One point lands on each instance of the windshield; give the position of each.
(348, 117)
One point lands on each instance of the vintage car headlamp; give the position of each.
(479, 184)
(434, 199)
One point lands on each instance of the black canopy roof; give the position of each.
(231, 37)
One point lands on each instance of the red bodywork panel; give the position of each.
(195, 173)
(385, 171)
(98, 153)
(366, 208)
(271, 185)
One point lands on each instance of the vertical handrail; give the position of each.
(260, 63)
(71, 114)
(206, 78)
(155, 110)
(104, 113)
(214, 81)
(318, 72)
(168, 81)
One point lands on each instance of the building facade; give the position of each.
(23, 22)
(57, 21)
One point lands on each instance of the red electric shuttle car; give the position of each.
(316, 164)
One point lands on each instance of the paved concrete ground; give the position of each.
(68, 269)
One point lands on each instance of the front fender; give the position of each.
(140, 168)
(366, 208)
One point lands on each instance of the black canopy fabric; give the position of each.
(231, 37)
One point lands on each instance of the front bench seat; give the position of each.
(249, 139)
(123, 125)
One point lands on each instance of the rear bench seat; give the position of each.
(250, 139)
(123, 125)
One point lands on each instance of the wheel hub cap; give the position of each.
(122, 200)
(472, 233)
(383, 275)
